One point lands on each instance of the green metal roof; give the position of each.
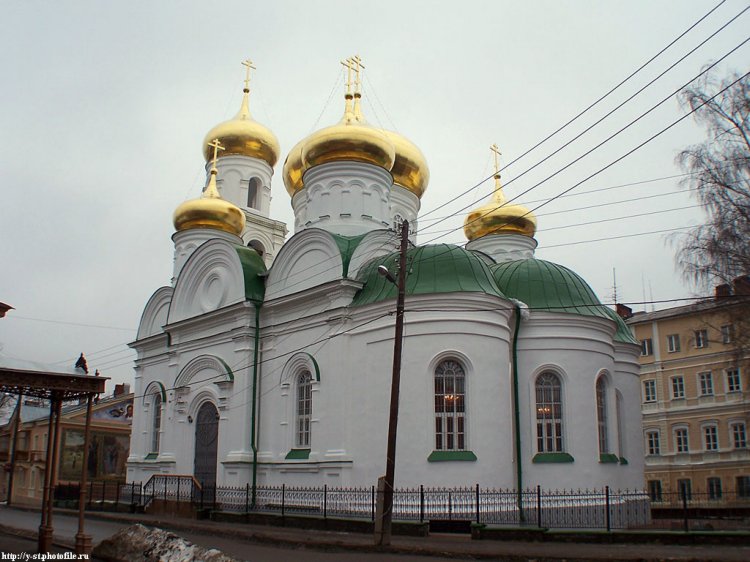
(252, 266)
(440, 268)
(548, 286)
(347, 245)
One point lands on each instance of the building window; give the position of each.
(678, 387)
(647, 347)
(711, 438)
(734, 384)
(701, 338)
(654, 490)
(649, 391)
(743, 486)
(653, 442)
(304, 410)
(155, 422)
(739, 435)
(714, 488)
(685, 488)
(727, 333)
(450, 406)
(706, 383)
(681, 440)
(252, 193)
(549, 414)
(673, 343)
(601, 414)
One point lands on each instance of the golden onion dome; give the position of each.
(294, 169)
(209, 211)
(410, 166)
(244, 136)
(497, 217)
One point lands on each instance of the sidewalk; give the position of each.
(442, 545)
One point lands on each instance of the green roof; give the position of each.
(347, 245)
(440, 268)
(252, 267)
(544, 285)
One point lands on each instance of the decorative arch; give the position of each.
(204, 363)
(207, 394)
(310, 258)
(375, 244)
(153, 388)
(297, 363)
(212, 278)
(154, 315)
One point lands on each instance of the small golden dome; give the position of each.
(209, 211)
(410, 166)
(242, 134)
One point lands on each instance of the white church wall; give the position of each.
(235, 173)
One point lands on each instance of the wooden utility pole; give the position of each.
(383, 525)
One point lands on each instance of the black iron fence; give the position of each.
(572, 509)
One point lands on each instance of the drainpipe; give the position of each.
(516, 411)
(253, 442)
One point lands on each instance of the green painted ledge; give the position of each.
(298, 455)
(440, 456)
(151, 456)
(608, 458)
(552, 457)
(623, 460)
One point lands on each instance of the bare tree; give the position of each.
(718, 251)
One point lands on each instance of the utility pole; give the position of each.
(385, 488)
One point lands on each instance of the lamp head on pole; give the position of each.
(383, 270)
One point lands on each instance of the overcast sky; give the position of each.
(105, 105)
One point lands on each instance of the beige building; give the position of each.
(694, 392)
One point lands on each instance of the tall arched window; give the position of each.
(304, 410)
(549, 422)
(252, 193)
(450, 406)
(155, 422)
(601, 415)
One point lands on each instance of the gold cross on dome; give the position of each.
(248, 64)
(494, 148)
(216, 145)
(351, 65)
(358, 73)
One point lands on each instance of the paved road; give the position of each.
(271, 544)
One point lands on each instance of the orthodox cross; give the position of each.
(248, 64)
(498, 188)
(351, 65)
(216, 145)
(358, 74)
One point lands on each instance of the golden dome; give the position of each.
(209, 211)
(497, 217)
(294, 169)
(410, 166)
(242, 134)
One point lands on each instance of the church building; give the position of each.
(268, 360)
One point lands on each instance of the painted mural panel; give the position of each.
(107, 455)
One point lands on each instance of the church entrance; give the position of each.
(206, 445)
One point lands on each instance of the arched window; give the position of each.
(601, 415)
(252, 193)
(155, 422)
(549, 422)
(450, 406)
(304, 410)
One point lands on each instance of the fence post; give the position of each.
(421, 503)
(325, 501)
(538, 506)
(283, 498)
(117, 495)
(132, 493)
(685, 525)
(372, 504)
(203, 485)
(91, 492)
(606, 503)
(179, 480)
(247, 497)
(165, 488)
(450, 507)
(477, 503)
(104, 495)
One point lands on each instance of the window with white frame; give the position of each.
(304, 410)
(681, 440)
(549, 423)
(710, 437)
(601, 414)
(653, 442)
(727, 333)
(714, 488)
(649, 390)
(673, 343)
(450, 406)
(701, 338)
(678, 387)
(706, 383)
(647, 347)
(155, 421)
(739, 435)
(734, 382)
